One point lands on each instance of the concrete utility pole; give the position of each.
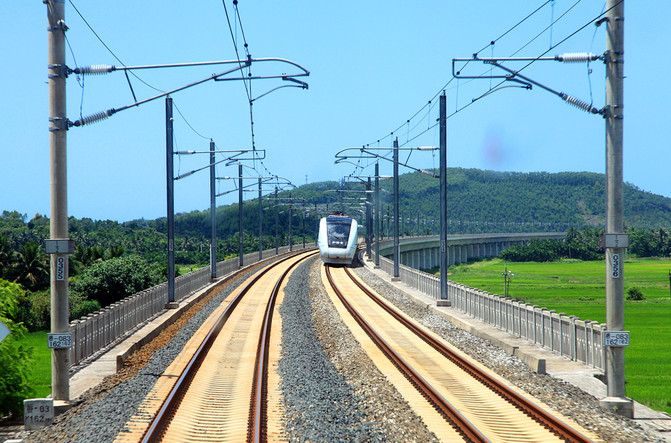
(616, 400)
(213, 217)
(60, 358)
(444, 301)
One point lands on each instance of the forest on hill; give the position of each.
(477, 202)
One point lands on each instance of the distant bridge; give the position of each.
(424, 252)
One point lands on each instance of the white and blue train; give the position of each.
(337, 239)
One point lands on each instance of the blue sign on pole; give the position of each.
(4, 331)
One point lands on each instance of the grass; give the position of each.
(40, 377)
(578, 288)
(185, 269)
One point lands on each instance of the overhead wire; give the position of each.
(552, 23)
(589, 69)
(187, 122)
(108, 48)
(248, 87)
(445, 87)
(80, 79)
(492, 42)
(235, 47)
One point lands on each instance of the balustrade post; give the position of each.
(562, 316)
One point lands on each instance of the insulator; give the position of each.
(95, 69)
(579, 103)
(93, 118)
(576, 57)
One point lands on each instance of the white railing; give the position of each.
(92, 333)
(567, 335)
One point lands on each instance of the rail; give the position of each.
(496, 385)
(567, 335)
(92, 333)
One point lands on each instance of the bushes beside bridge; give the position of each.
(580, 245)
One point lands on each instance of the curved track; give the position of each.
(216, 390)
(472, 401)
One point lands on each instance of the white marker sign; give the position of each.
(38, 412)
(59, 341)
(616, 338)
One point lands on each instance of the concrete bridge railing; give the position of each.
(94, 332)
(567, 335)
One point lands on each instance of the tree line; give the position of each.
(478, 202)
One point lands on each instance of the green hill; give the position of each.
(489, 201)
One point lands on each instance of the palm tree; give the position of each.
(6, 256)
(32, 267)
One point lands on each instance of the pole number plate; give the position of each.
(59, 341)
(616, 265)
(616, 338)
(60, 268)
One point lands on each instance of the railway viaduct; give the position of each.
(424, 252)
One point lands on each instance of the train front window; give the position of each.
(337, 232)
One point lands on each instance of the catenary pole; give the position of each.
(616, 400)
(377, 214)
(170, 185)
(369, 218)
(60, 358)
(443, 201)
(291, 220)
(260, 223)
(397, 247)
(213, 216)
(277, 232)
(240, 230)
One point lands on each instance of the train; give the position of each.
(337, 239)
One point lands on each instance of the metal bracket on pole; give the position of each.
(59, 246)
(60, 71)
(608, 112)
(58, 124)
(60, 24)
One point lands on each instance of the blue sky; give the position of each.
(373, 66)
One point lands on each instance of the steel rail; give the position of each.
(538, 414)
(258, 410)
(159, 424)
(451, 414)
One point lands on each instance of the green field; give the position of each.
(578, 288)
(40, 378)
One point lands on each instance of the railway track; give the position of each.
(457, 398)
(217, 389)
